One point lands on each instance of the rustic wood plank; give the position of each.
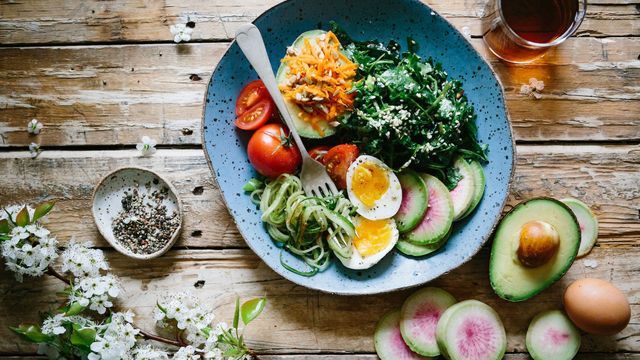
(105, 95)
(298, 320)
(605, 176)
(77, 21)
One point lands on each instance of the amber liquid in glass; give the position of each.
(537, 21)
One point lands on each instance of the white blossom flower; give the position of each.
(188, 314)
(83, 261)
(114, 340)
(148, 352)
(147, 147)
(13, 210)
(34, 150)
(53, 325)
(186, 353)
(181, 32)
(34, 126)
(29, 251)
(95, 292)
(536, 84)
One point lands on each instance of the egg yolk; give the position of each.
(369, 182)
(372, 236)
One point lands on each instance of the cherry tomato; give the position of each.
(255, 116)
(318, 153)
(272, 152)
(250, 95)
(337, 162)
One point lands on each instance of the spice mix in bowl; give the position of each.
(137, 212)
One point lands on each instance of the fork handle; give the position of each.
(250, 41)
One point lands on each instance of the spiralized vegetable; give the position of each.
(305, 225)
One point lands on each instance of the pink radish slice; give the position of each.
(388, 340)
(471, 330)
(462, 194)
(437, 221)
(414, 201)
(419, 317)
(551, 335)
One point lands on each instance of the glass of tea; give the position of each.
(521, 31)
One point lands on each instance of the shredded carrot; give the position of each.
(319, 80)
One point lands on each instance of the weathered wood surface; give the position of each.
(105, 95)
(605, 176)
(81, 21)
(298, 320)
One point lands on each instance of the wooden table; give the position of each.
(101, 74)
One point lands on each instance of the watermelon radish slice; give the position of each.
(479, 182)
(437, 221)
(462, 194)
(471, 330)
(552, 336)
(411, 249)
(414, 201)
(419, 317)
(588, 224)
(388, 340)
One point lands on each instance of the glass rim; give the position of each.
(580, 15)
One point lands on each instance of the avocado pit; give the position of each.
(539, 242)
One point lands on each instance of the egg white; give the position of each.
(385, 207)
(357, 262)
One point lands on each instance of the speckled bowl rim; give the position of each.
(475, 251)
(114, 243)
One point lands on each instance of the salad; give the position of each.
(395, 134)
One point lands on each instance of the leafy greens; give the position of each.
(407, 112)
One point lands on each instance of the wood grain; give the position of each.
(78, 21)
(297, 320)
(606, 177)
(105, 95)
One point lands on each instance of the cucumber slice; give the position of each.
(419, 317)
(415, 199)
(471, 330)
(388, 340)
(304, 128)
(438, 218)
(552, 336)
(462, 194)
(588, 224)
(411, 249)
(479, 182)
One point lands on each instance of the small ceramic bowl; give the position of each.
(107, 203)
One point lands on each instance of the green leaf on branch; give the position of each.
(4, 226)
(82, 337)
(252, 309)
(22, 219)
(31, 333)
(42, 210)
(236, 314)
(74, 309)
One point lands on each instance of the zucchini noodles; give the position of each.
(305, 225)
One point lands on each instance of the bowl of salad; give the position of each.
(407, 118)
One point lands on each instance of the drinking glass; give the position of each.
(506, 43)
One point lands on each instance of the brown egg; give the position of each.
(596, 306)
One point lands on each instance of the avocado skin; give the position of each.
(497, 287)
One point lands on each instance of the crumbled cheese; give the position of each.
(446, 108)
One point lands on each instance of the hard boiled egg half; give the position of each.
(373, 240)
(373, 188)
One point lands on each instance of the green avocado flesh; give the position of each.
(304, 128)
(509, 278)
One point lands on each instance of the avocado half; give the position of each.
(304, 129)
(510, 279)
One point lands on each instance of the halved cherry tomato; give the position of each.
(337, 162)
(318, 153)
(255, 116)
(250, 95)
(272, 152)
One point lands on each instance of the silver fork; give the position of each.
(315, 180)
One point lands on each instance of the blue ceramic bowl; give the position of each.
(363, 19)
